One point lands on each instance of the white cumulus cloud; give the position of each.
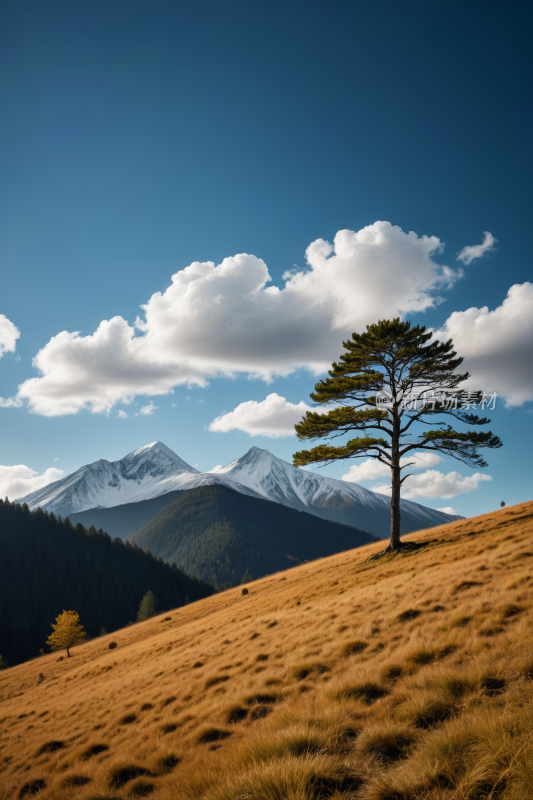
(469, 253)
(224, 320)
(497, 345)
(19, 480)
(10, 402)
(9, 334)
(371, 469)
(122, 414)
(432, 483)
(147, 410)
(273, 417)
(449, 510)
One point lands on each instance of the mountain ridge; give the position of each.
(154, 470)
(217, 534)
(147, 472)
(329, 498)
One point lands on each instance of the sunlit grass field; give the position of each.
(399, 679)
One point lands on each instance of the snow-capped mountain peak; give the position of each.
(275, 479)
(152, 454)
(149, 471)
(255, 460)
(154, 470)
(157, 447)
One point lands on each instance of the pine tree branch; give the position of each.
(328, 454)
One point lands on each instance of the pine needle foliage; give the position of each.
(68, 631)
(392, 360)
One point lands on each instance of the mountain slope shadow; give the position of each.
(216, 533)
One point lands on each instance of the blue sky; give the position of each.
(141, 137)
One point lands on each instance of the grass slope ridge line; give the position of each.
(335, 679)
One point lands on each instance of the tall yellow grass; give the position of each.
(406, 678)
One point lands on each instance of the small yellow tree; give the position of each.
(68, 631)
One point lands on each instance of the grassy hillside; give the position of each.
(216, 533)
(47, 565)
(398, 679)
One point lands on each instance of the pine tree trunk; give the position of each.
(395, 497)
(68, 654)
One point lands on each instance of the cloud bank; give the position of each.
(273, 417)
(449, 510)
(468, 254)
(497, 345)
(19, 480)
(9, 334)
(436, 484)
(224, 320)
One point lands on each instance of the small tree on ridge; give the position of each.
(68, 631)
(392, 361)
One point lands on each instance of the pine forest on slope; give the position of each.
(49, 565)
(218, 534)
(125, 519)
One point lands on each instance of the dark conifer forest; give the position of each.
(219, 534)
(48, 565)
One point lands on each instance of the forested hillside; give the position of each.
(219, 534)
(126, 518)
(47, 565)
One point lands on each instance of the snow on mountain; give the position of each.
(342, 501)
(150, 471)
(154, 470)
(275, 479)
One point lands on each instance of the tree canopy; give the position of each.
(68, 631)
(391, 377)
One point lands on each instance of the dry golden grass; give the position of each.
(402, 679)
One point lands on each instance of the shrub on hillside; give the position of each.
(387, 741)
(367, 691)
(353, 648)
(210, 734)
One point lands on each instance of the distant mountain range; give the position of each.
(148, 472)
(119, 496)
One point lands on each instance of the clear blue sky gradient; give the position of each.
(138, 137)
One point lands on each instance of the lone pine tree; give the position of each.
(68, 631)
(147, 607)
(388, 380)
